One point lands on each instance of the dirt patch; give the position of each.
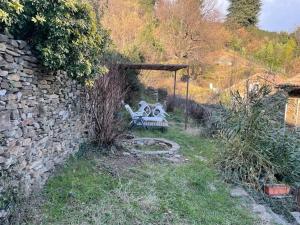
(119, 163)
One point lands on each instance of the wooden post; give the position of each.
(285, 114)
(174, 93)
(297, 113)
(187, 98)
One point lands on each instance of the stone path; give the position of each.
(264, 213)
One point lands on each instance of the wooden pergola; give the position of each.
(163, 67)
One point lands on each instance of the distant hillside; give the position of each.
(220, 57)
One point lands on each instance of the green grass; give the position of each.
(84, 192)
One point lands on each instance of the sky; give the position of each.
(276, 15)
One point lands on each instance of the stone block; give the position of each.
(2, 160)
(14, 133)
(14, 77)
(26, 142)
(2, 92)
(14, 43)
(28, 71)
(12, 53)
(11, 97)
(238, 192)
(5, 85)
(4, 121)
(12, 105)
(2, 47)
(3, 38)
(15, 115)
(30, 59)
(9, 58)
(3, 73)
(16, 84)
(296, 215)
(22, 44)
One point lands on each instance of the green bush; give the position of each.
(65, 34)
(277, 55)
(256, 149)
(237, 45)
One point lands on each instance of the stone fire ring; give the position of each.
(174, 147)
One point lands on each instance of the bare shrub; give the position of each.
(104, 104)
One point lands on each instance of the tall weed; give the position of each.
(256, 148)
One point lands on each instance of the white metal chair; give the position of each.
(145, 121)
(144, 107)
(159, 111)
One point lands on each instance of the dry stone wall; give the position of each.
(41, 119)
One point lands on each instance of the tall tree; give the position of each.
(244, 12)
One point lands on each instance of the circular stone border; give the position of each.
(173, 150)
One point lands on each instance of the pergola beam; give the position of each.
(144, 66)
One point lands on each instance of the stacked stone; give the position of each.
(41, 120)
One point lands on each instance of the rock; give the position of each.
(64, 114)
(12, 97)
(14, 43)
(201, 158)
(12, 53)
(14, 77)
(9, 58)
(238, 192)
(126, 153)
(30, 59)
(296, 215)
(2, 150)
(3, 38)
(2, 47)
(26, 142)
(3, 213)
(3, 73)
(22, 44)
(53, 96)
(16, 84)
(16, 133)
(212, 187)
(28, 71)
(4, 120)
(2, 92)
(2, 160)
(19, 96)
(5, 85)
(10, 161)
(12, 105)
(15, 115)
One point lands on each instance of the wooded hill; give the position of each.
(220, 54)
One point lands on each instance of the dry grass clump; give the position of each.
(255, 149)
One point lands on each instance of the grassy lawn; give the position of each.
(106, 190)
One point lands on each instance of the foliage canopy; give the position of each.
(244, 12)
(65, 34)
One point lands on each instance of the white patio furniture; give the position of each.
(139, 120)
(144, 107)
(158, 111)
